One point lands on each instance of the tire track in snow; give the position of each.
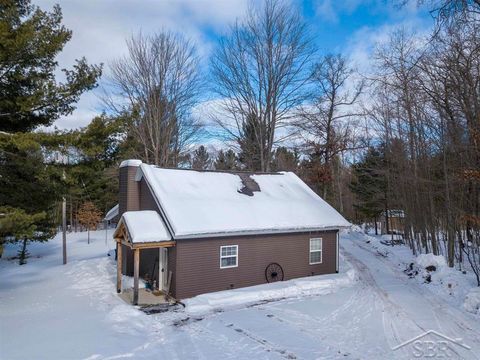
(225, 344)
(267, 345)
(449, 320)
(439, 305)
(392, 313)
(319, 329)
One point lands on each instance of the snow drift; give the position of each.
(472, 301)
(428, 260)
(315, 285)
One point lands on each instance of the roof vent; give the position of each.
(249, 185)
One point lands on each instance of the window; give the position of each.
(315, 251)
(228, 256)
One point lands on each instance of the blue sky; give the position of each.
(337, 23)
(100, 28)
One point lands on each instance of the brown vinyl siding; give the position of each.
(198, 261)
(147, 202)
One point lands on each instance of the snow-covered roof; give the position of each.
(145, 226)
(206, 203)
(112, 213)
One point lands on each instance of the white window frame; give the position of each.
(229, 256)
(315, 251)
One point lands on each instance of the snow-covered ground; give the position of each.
(52, 311)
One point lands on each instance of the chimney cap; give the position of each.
(131, 162)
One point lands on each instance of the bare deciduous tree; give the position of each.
(425, 112)
(260, 71)
(157, 84)
(448, 12)
(326, 120)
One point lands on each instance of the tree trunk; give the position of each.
(23, 253)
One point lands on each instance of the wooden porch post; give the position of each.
(136, 270)
(119, 267)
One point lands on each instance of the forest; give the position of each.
(404, 135)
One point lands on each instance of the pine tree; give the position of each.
(285, 160)
(30, 96)
(17, 225)
(201, 159)
(27, 183)
(30, 41)
(89, 216)
(370, 184)
(226, 160)
(250, 154)
(93, 173)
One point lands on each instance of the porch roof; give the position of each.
(142, 228)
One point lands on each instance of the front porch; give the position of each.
(128, 235)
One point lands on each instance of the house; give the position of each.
(194, 232)
(392, 222)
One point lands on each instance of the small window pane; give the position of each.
(229, 261)
(315, 257)
(229, 250)
(315, 244)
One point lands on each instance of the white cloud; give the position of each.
(101, 27)
(361, 52)
(361, 46)
(326, 11)
(330, 10)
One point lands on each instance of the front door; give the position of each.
(163, 268)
